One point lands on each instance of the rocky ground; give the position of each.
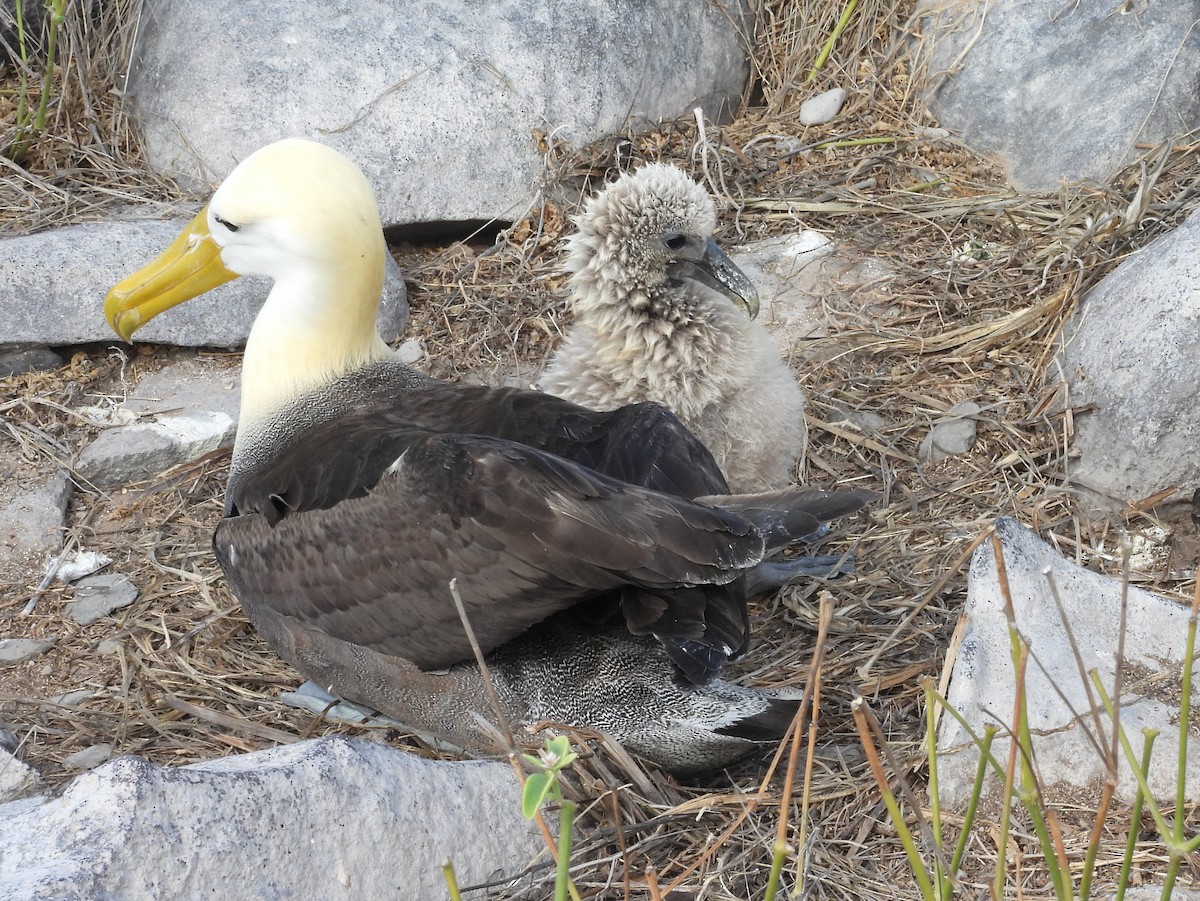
(934, 378)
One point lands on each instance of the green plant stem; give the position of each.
(451, 880)
(975, 739)
(1089, 857)
(926, 185)
(1160, 822)
(1135, 818)
(57, 10)
(562, 878)
(1028, 790)
(1010, 772)
(1185, 718)
(778, 857)
(902, 831)
(1178, 845)
(14, 150)
(985, 751)
(943, 882)
(857, 142)
(26, 130)
(827, 47)
(1022, 748)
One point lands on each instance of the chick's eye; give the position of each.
(675, 242)
(226, 223)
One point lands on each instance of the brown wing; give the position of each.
(524, 532)
(642, 444)
(356, 437)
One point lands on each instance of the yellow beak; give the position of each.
(189, 267)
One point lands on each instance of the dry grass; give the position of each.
(982, 279)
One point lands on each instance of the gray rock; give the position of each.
(189, 409)
(1035, 83)
(17, 779)
(33, 522)
(89, 758)
(331, 818)
(14, 650)
(410, 351)
(952, 435)
(19, 360)
(418, 93)
(141, 450)
(75, 698)
(1131, 351)
(1155, 892)
(98, 596)
(70, 269)
(822, 108)
(982, 687)
(188, 384)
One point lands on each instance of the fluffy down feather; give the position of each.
(642, 335)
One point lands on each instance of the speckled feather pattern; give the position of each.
(638, 336)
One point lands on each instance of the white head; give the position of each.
(303, 215)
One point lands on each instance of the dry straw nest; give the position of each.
(983, 278)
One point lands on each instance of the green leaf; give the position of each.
(536, 788)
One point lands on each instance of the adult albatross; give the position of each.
(651, 294)
(598, 556)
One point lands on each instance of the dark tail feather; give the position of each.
(783, 517)
(767, 725)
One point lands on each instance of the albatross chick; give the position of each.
(599, 557)
(652, 293)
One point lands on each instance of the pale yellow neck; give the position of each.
(317, 324)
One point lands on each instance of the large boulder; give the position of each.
(983, 687)
(329, 818)
(52, 287)
(437, 100)
(1061, 91)
(1130, 355)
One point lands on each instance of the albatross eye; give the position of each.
(226, 223)
(675, 242)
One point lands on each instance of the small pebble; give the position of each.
(88, 757)
(955, 434)
(822, 108)
(109, 646)
(74, 698)
(98, 596)
(410, 352)
(927, 131)
(14, 650)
